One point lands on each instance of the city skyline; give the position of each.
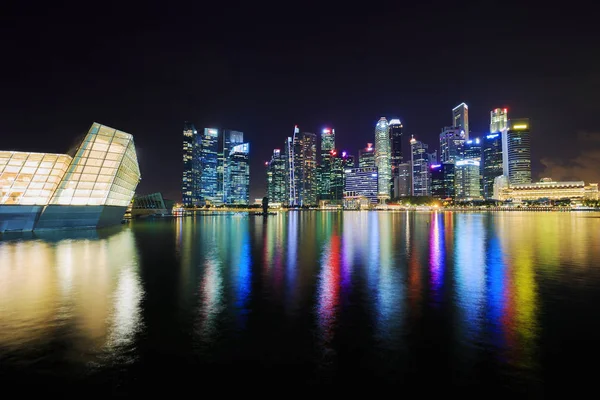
(263, 75)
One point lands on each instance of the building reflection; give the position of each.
(437, 256)
(329, 288)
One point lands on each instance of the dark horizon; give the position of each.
(146, 71)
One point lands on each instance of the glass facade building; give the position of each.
(190, 184)
(403, 180)
(498, 120)
(420, 161)
(518, 151)
(276, 173)
(238, 175)
(492, 162)
(442, 181)
(460, 118)
(91, 189)
(325, 166)
(361, 182)
(383, 158)
(209, 161)
(452, 142)
(395, 129)
(366, 157)
(467, 180)
(229, 139)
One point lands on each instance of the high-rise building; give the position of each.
(452, 141)
(403, 181)
(472, 149)
(421, 177)
(325, 166)
(190, 184)
(229, 138)
(276, 177)
(238, 175)
(209, 159)
(492, 161)
(518, 151)
(305, 165)
(442, 180)
(361, 182)
(460, 118)
(339, 164)
(291, 179)
(395, 130)
(498, 120)
(383, 158)
(467, 180)
(366, 157)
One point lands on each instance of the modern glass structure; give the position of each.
(306, 168)
(366, 157)
(492, 162)
(209, 162)
(420, 161)
(238, 175)
(383, 158)
(460, 118)
(472, 149)
(276, 173)
(403, 181)
(518, 151)
(361, 182)
(53, 191)
(190, 184)
(325, 166)
(452, 140)
(395, 130)
(291, 183)
(442, 180)
(498, 120)
(229, 139)
(467, 180)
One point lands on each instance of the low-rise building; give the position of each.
(546, 188)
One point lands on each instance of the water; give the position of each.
(508, 303)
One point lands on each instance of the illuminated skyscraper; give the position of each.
(467, 180)
(460, 118)
(498, 120)
(276, 173)
(518, 151)
(228, 140)
(420, 161)
(291, 180)
(209, 159)
(190, 184)
(383, 158)
(304, 169)
(452, 141)
(472, 149)
(442, 180)
(339, 164)
(395, 130)
(492, 161)
(237, 187)
(403, 181)
(324, 168)
(366, 157)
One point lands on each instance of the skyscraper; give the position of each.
(460, 118)
(472, 149)
(238, 175)
(467, 180)
(403, 181)
(442, 180)
(492, 161)
(190, 184)
(518, 151)
(339, 164)
(383, 158)
(366, 157)
(276, 177)
(324, 168)
(308, 157)
(209, 147)
(498, 120)
(395, 130)
(291, 180)
(228, 140)
(419, 159)
(452, 141)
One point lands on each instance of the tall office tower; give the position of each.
(339, 164)
(229, 139)
(290, 176)
(419, 159)
(324, 168)
(383, 158)
(366, 157)
(403, 181)
(460, 118)
(518, 151)
(492, 162)
(395, 130)
(452, 141)
(276, 177)
(442, 180)
(361, 182)
(467, 180)
(305, 163)
(498, 120)
(190, 184)
(238, 175)
(472, 149)
(209, 148)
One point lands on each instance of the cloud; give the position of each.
(585, 166)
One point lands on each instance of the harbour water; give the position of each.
(436, 302)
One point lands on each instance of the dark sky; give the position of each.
(145, 69)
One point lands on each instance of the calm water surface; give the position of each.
(434, 302)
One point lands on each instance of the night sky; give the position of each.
(147, 69)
